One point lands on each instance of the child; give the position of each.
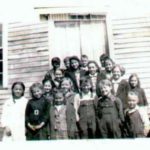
(37, 114)
(13, 116)
(84, 62)
(72, 103)
(87, 119)
(93, 74)
(58, 76)
(109, 112)
(119, 85)
(136, 119)
(108, 65)
(102, 59)
(58, 117)
(48, 90)
(55, 64)
(67, 64)
(134, 85)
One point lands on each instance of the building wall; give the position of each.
(131, 38)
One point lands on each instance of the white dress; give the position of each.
(13, 116)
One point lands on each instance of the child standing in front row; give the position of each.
(37, 114)
(72, 104)
(109, 112)
(136, 118)
(87, 120)
(58, 118)
(13, 116)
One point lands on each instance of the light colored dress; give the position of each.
(13, 116)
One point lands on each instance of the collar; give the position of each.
(93, 75)
(116, 81)
(129, 111)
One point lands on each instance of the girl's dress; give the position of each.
(14, 117)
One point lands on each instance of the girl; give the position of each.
(13, 116)
(108, 65)
(37, 114)
(58, 76)
(72, 103)
(48, 90)
(134, 85)
(87, 120)
(119, 85)
(93, 75)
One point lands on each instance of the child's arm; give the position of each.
(76, 105)
(31, 126)
(39, 126)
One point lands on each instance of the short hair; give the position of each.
(58, 91)
(122, 69)
(74, 58)
(108, 58)
(69, 80)
(84, 56)
(134, 75)
(133, 94)
(85, 81)
(55, 60)
(66, 58)
(20, 83)
(96, 64)
(36, 85)
(46, 80)
(105, 82)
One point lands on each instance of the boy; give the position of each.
(109, 112)
(136, 118)
(84, 63)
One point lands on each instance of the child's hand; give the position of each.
(31, 127)
(146, 130)
(39, 126)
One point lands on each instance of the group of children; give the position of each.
(81, 101)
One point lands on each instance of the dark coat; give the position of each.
(37, 111)
(71, 75)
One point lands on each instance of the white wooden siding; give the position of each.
(28, 54)
(131, 37)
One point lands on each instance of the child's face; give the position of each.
(59, 99)
(17, 91)
(108, 65)
(47, 86)
(56, 65)
(84, 61)
(37, 92)
(133, 81)
(74, 64)
(132, 101)
(92, 68)
(67, 63)
(58, 75)
(86, 87)
(65, 86)
(116, 73)
(105, 90)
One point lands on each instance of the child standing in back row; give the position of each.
(37, 114)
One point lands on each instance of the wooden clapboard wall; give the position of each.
(28, 54)
(131, 38)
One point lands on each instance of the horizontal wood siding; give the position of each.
(131, 39)
(28, 54)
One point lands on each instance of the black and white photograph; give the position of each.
(74, 70)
